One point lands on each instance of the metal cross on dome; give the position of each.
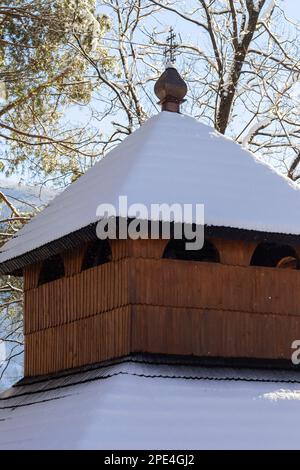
(171, 47)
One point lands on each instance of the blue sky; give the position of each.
(292, 8)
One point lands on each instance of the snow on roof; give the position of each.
(149, 405)
(171, 158)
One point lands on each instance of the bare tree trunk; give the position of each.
(241, 47)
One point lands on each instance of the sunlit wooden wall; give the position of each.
(141, 302)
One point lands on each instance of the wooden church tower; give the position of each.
(88, 300)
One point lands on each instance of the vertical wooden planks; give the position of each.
(140, 302)
(85, 341)
(85, 294)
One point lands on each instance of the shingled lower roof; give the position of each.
(171, 158)
(153, 403)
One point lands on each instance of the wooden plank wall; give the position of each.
(215, 333)
(82, 295)
(141, 302)
(84, 341)
(215, 286)
(209, 309)
(85, 316)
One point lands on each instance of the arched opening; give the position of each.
(176, 249)
(98, 252)
(52, 269)
(272, 255)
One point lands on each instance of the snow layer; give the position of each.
(171, 158)
(129, 411)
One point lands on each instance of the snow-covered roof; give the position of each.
(171, 158)
(153, 404)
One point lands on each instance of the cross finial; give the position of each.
(170, 88)
(171, 47)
